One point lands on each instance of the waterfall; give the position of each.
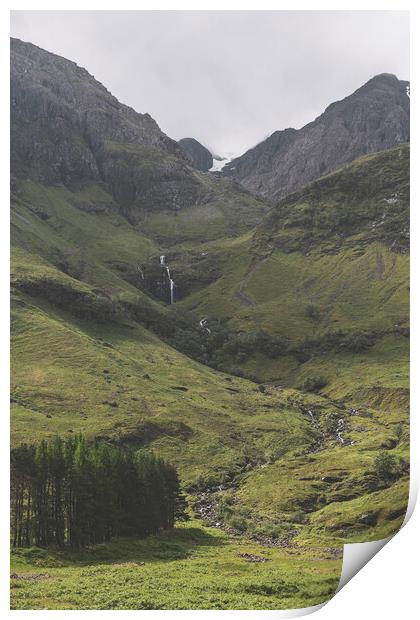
(340, 428)
(140, 270)
(203, 325)
(172, 285)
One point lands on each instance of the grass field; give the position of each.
(192, 567)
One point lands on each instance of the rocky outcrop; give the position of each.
(375, 117)
(200, 157)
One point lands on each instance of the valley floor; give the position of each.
(190, 567)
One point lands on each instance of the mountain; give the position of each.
(264, 353)
(201, 157)
(90, 275)
(373, 118)
(66, 127)
(68, 130)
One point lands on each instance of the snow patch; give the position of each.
(218, 164)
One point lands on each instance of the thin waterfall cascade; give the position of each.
(340, 429)
(172, 285)
(203, 325)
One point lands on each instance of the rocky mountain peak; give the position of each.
(383, 79)
(375, 117)
(59, 111)
(200, 157)
(69, 131)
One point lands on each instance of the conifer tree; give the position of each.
(78, 493)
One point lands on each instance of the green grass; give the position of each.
(378, 377)
(189, 568)
(68, 232)
(346, 288)
(330, 489)
(121, 381)
(369, 517)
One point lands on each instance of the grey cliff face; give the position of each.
(200, 157)
(66, 128)
(375, 117)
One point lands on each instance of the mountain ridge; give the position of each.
(66, 128)
(373, 118)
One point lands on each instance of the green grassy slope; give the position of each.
(81, 234)
(228, 211)
(81, 362)
(120, 381)
(326, 277)
(327, 267)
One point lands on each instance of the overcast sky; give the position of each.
(228, 79)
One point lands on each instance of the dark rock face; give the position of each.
(375, 117)
(200, 157)
(66, 128)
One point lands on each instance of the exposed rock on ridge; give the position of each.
(67, 128)
(200, 157)
(375, 117)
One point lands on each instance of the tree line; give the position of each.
(76, 493)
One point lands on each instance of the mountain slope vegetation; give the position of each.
(325, 274)
(317, 299)
(274, 383)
